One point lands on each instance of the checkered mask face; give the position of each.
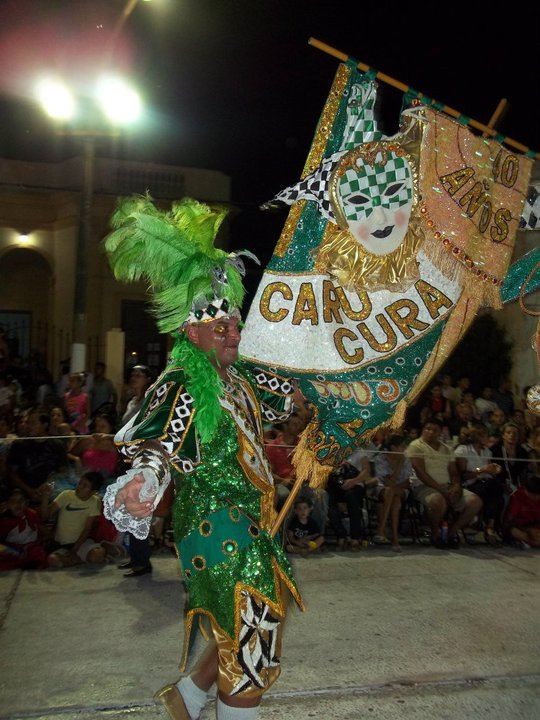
(365, 188)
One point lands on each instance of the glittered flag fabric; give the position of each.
(473, 192)
(390, 247)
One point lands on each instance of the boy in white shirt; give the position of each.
(78, 513)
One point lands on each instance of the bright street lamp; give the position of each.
(56, 98)
(119, 104)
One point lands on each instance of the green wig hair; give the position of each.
(174, 251)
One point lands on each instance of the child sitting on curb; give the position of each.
(522, 518)
(78, 513)
(21, 533)
(303, 533)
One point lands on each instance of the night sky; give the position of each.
(234, 85)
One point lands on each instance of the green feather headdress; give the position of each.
(188, 277)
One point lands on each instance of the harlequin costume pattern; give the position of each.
(224, 506)
(203, 431)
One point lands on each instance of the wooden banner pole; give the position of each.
(497, 115)
(489, 131)
(286, 507)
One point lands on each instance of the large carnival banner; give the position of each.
(390, 248)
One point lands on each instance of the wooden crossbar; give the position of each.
(489, 131)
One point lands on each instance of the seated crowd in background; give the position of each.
(56, 455)
(459, 463)
(468, 464)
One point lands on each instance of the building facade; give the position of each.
(41, 214)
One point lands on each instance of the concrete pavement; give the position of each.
(425, 634)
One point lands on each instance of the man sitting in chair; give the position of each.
(439, 488)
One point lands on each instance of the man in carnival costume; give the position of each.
(200, 427)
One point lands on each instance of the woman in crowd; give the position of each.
(393, 470)
(533, 446)
(522, 518)
(480, 474)
(97, 451)
(59, 425)
(512, 458)
(436, 405)
(77, 404)
(347, 491)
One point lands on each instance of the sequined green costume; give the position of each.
(224, 506)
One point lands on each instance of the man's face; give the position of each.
(431, 433)
(34, 426)
(84, 489)
(464, 411)
(220, 338)
(138, 379)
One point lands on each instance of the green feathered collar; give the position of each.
(203, 384)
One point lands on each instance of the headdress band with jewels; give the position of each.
(215, 310)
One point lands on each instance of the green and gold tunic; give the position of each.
(224, 506)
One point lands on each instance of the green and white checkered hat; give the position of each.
(364, 187)
(359, 127)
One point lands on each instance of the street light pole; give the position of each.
(84, 234)
(119, 104)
